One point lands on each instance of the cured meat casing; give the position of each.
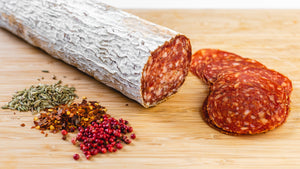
(144, 61)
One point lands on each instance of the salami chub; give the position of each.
(245, 97)
(144, 61)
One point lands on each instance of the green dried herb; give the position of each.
(40, 97)
(45, 71)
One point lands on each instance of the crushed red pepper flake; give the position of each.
(70, 117)
(22, 125)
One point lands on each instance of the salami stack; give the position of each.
(144, 61)
(245, 96)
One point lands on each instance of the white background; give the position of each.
(205, 4)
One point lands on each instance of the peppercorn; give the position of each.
(88, 156)
(130, 129)
(103, 150)
(133, 136)
(127, 141)
(64, 132)
(76, 156)
(119, 146)
(110, 149)
(102, 136)
(64, 137)
(74, 141)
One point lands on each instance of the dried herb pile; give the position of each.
(40, 97)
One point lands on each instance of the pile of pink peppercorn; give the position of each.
(104, 136)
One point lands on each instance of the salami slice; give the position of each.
(245, 96)
(283, 83)
(248, 105)
(211, 123)
(144, 61)
(207, 64)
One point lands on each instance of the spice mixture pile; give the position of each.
(97, 131)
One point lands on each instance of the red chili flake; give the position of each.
(46, 135)
(22, 125)
(71, 117)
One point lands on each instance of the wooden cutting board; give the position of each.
(172, 134)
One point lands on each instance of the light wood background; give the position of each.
(172, 134)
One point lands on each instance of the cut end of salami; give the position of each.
(166, 70)
(245, 96)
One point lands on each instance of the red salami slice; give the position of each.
(246, 103)
(207, 64)
(283, 83)
(245, 96)
(206, 118)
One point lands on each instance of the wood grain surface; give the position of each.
(172, 134)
